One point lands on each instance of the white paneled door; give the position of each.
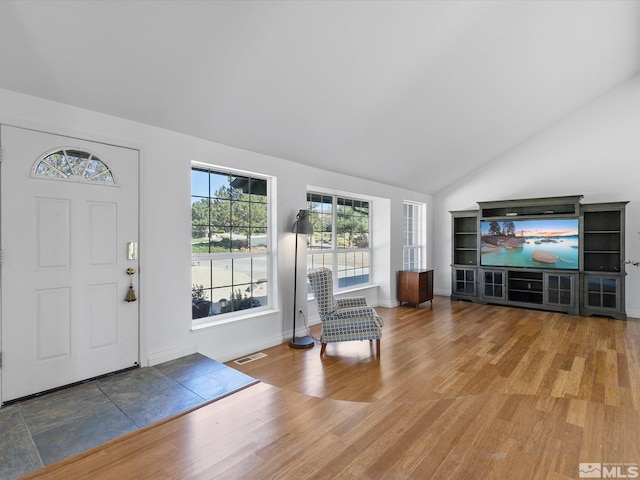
(69, 211)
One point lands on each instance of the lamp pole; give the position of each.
(301, 219)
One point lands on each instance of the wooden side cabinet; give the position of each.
(415, 286)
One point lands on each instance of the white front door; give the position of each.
(65, 233)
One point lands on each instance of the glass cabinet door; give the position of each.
(559, 289)
(493, 284)
(602, 292)
(465, 281)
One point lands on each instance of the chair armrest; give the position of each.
(357, 313)
(347, 302)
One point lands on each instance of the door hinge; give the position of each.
(0, 359)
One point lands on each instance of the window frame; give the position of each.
(233, 256)
(333, 251)
(415, 225)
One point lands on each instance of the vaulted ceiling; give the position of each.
(410, 93)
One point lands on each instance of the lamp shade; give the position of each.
(302, 224)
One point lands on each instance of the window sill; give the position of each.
(212, 322)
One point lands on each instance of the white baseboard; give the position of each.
(387, 303)
(165, 354)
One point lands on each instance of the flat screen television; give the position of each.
(540, 243)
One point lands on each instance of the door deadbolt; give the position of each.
(132, 250)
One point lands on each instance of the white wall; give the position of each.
(594, 152)
(165, 266)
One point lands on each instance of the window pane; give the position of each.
(258, 215)
(353, 269)
(199, 243)
(241, 299)
(259, 270)
(241, 271)
(201, 305)
(199, 183)
(221, 273)
(201, 274)
(219, 239)
(239, 240)
(58, 161)
(239, 185)
(219, 186)
(317, 260)
(221, 212)
(199, 211)
(220, 298)
(320, 215)
(258, 190)
(258, 239)
(259, 281)
(240, 214)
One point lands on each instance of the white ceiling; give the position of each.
(411, 93)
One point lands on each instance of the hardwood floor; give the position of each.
(460, 391)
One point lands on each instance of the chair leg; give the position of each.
(377, 347)
(322, 349)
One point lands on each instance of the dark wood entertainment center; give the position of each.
(596, 286)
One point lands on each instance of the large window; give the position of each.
(229, 242)
(341, 237)
(413, 236)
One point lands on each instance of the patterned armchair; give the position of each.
(343, 319)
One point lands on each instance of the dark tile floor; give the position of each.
(44, 430)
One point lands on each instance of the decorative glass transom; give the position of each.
(71, 164)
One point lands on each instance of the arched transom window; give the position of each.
(73, 164)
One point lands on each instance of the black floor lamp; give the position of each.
(302, 226)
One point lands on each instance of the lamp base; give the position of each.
(302, 342)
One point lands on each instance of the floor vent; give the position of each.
(250, 358)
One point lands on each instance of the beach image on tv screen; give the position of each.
(545, 243)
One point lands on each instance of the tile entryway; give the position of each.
(44, 430)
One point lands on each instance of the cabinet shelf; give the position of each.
(465, 239)
(525, 287)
